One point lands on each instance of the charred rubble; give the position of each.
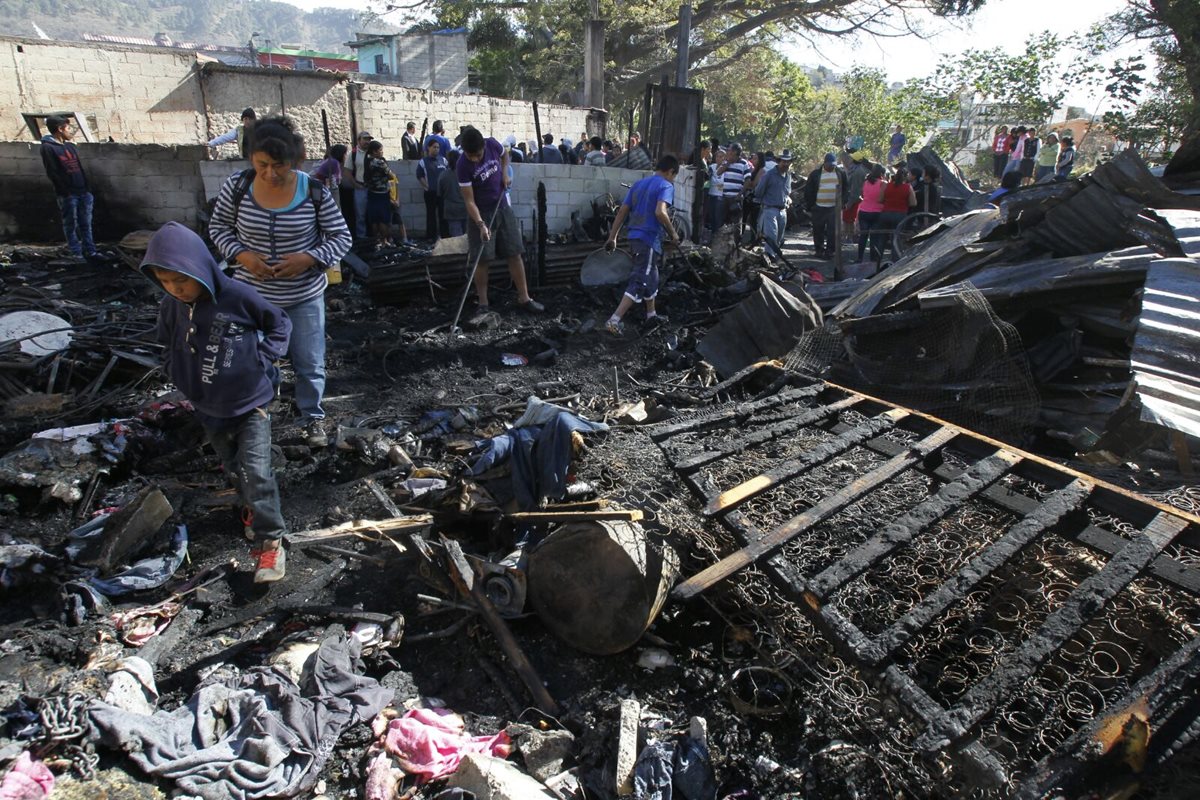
(932, 533)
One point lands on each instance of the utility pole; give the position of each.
(685, 35)
(593, 59)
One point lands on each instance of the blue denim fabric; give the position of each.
(772, 223)
(360, 213)
(77, 222)
(307, 352)
(245, 452)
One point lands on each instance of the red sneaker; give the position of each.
(269, 563)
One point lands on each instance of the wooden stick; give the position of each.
(611, 515)
(360, 526)
(389, 505)
(464, 579)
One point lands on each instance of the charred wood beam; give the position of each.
(895, 534)
(1047, 513)
(793, 423)
(1164, 567)
(817, 455)
(1171, 688)
(659, 433)
(797, 525)
(1088, 599)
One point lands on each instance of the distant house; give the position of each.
(298, 58)
(436, 60)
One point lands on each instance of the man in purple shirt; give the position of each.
(483, 179)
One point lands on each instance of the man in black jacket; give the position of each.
(821, 198)
(61, 160)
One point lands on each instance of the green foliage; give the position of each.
(1155, 120)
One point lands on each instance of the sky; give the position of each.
(1000, 23)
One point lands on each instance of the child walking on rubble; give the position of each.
(648, 206)
(221, 340)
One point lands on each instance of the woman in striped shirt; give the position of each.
(283, 232)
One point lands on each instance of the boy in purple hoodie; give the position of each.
(221, 340)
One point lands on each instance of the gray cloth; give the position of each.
(261, 736)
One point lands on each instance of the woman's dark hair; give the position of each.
(1011, 180)
(900, 175)
(472, 141)
(374, 146)
(278, 138)
(932, 174)
(452, 159)
(338, 151)
(1068, 141)
(876, 173)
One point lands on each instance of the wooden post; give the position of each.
(537, 129)
(837, 229)
(542, 233)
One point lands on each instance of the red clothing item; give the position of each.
(1000, 144)
(898, 197)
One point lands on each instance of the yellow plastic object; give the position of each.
(394, 189)
(334, 274)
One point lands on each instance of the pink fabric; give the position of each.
(872, 197)
(28, 780)
(430, 744)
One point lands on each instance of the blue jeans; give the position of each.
(77, 222)
(307, 352)
(245, 451)
(360, 213)
(772, 222)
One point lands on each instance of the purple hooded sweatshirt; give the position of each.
(218, 349)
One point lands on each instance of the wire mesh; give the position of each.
(961, 363)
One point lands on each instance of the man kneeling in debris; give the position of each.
(648, 206)
(221, 340)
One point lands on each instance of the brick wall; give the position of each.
(385, 109)
(145, 95)
(136, 187)
(302, 95)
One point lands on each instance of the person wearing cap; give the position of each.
(772, 191)
(821, 200)
(239, 133)
(354, 174)
(515, 156)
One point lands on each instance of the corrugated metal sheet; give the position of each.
(1166, 350)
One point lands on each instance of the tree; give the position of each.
(1019, 88)
(641, 37)
(1173, 28)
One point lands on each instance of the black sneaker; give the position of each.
(531, 306)
(656, 321)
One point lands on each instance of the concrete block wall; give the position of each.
(140, 95)
(303, 96)
(385, 109)
(136, 187)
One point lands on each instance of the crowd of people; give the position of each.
(755, 192)
(1033, 159)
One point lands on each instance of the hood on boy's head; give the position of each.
(178, 248)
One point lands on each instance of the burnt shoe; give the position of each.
(315, 434)
(269, 563)
(531, 306)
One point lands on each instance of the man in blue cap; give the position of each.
(824, 194)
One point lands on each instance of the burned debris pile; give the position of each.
(764, 550)
(1028, 321)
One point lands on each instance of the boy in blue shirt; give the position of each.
(221, 340)
(648, 206)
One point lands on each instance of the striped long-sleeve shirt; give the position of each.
(321, 233)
